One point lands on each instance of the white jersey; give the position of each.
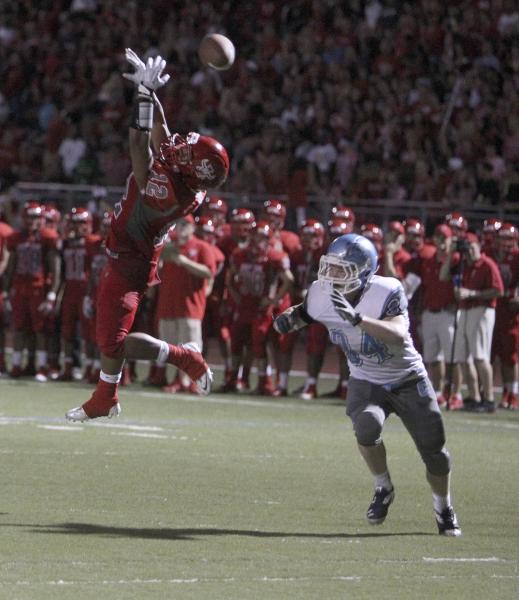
(369, 359)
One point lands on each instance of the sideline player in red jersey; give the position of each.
(5, 307)
(258, 278)
(163, 187)
(32, 278)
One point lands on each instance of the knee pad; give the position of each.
(437, 463)
(368, 428)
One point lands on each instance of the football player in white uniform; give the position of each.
(366, 315)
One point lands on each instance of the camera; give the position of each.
(461, 245)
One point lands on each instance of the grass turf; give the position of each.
(237, 497)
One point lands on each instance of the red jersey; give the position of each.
(436, 294)
(509, 271)
(97, 259)
(141, 221)
(255, 276)
(401, 260)
(31, 250)
(481, 275)
(77, 253)
(305, 267)
(182, 295)
(285, 241)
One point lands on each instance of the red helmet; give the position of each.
(396, 227)
(80, 220)
(345, 213)
(312, 234)
(260, 237)
(337, 227)
(507, 237)
(51, 215)
(275, 213)
(206, 228)
(242, 222)
(215, 205)
(457, 222)
(32, 215)
(201, 160)
(492, 225)
(373, 232)
(414, 226)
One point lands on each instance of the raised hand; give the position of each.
(148, 74)
(344, 309)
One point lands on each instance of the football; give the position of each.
(216, 51)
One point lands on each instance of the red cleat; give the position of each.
(456, 402)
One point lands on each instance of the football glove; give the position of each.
(88, 307)
(344, 309)
(47, 306)
(148, 74)
(287, 321)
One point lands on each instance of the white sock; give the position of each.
(440, 503)
(283, 380)
(515, 387)
(110, 378)
(17, 358)
(162, 357)
(41, 358)
(311, 381)
(383, 480)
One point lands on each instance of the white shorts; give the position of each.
(474, 335)
(181, 331)
(438, 333)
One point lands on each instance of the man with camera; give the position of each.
(477, 285)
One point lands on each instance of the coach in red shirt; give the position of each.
(477, 291)
(188, 270)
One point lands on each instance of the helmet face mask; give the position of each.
(349, 264)
(200, 160)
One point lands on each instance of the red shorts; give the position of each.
(25, 303)
(316, 339)
(71, 313)
(505, 345)
(251, 332)
(118, 299)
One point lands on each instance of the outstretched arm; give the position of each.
(147, 78)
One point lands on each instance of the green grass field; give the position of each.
(238, 497)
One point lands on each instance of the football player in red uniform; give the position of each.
(169, 176)
(258, 278)
(505, 341)
(346, 214)
(282, 240)
(305, 266)
(216, 209)
(75, 277)
(32, 278)
(5, 306)
(489, 236)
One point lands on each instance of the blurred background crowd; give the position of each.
(356, 100)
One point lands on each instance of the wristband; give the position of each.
(143, 109)
(357, 320)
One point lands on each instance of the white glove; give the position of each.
(344, 309)
(47, 306)
(88, 307)
(150, 74)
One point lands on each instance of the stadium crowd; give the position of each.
(226, 274)
(357, 100)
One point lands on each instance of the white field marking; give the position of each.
(144, 428)
(155, 436)
(468, 559)
(495, 424)
(61, 427)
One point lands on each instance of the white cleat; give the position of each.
(78, 415)
(203, 384)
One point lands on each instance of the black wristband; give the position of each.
(357, 320)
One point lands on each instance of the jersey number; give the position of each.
(369, 347)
